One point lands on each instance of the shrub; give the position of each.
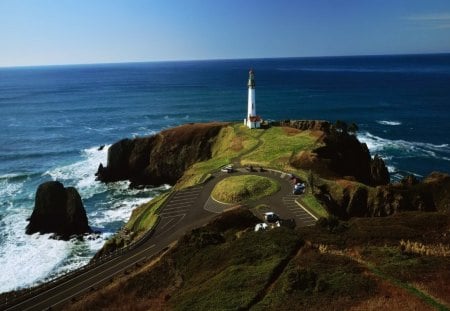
(410, 247)
(301, 279)
(332, 224)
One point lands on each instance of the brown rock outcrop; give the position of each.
(313, 125)
(432, 194)
(161, 158)
(341, 154)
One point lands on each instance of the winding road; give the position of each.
(183, 211)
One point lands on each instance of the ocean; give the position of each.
(54, 118)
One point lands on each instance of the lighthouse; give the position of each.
(252, 120)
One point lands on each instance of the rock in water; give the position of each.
(58, 210)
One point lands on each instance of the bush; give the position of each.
(332, 224)
(301, 279)
(200, 238)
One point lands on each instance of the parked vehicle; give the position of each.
(261, 226)
(299, 188)
(227, 169)
(271, 217)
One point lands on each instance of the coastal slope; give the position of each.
(342, 262)
(365, 264)
(342, 178)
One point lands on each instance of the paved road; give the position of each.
(282, 203)
(185, 210)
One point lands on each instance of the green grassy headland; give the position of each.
(237, 144)
(238, 189)
(278, 144)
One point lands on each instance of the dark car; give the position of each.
(299, 188)
(271, 217)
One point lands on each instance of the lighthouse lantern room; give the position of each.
(252, 120)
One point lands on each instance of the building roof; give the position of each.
(255, 119)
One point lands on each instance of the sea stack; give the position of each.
(58, 210)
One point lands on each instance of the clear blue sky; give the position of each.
(40, 32)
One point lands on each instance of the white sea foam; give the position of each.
(25, 259)
(394, 150)
(81, 174)
(123, 201)
(391, 123)
(9, 188)
(407, 148)
(391, 169)
(119, 210)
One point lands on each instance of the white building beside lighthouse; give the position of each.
(252, 120)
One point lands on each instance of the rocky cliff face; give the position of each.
(164, 157)
(432, 194)
(342, 155)
(161, 158)
(58, 210)
(312, 125)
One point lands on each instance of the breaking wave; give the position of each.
(391, 123)
(406, 148)
(394, 151)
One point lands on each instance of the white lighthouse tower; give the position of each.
(252, 120)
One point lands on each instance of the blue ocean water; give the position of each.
(54, 118)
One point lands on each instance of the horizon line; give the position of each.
(213, 59)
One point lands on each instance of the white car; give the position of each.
(261, 226)
(227, 169)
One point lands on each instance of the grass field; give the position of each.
(311, 203)
(144, 217)
(270, 148)
(277, 147)
(232, 141)
(235, 140)
(238, 189)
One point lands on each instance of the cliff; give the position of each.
(162, 158)
(355, 200)
(340, 155)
